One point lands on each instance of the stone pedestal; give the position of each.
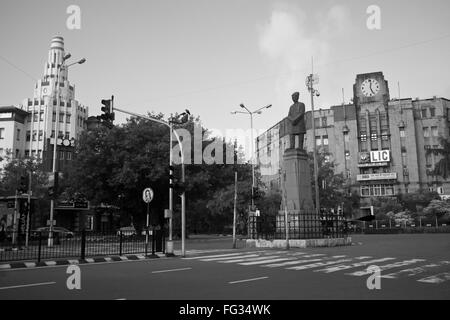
(296, 181)
(297, 197)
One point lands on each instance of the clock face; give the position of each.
(370, 87)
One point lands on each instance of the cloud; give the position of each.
(291, 37)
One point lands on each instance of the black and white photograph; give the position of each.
(225, 156)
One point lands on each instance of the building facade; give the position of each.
(379, 144)
(53, 103)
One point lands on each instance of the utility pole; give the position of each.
(234, 210)
(310, 83)
(27, 232)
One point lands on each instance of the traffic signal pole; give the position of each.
(183, 198)
(27, 231)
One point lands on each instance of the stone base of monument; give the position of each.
(299, 243)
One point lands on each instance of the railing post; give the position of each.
(40, 246)
(153, 241)
(146, 242)
(83, 244)
(120, 242)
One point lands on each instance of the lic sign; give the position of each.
(380, 156)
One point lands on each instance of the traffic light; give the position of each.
(108, 116)
(23, 185)
(171, 178)
(53, 188)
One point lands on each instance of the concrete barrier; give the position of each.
(294, 243)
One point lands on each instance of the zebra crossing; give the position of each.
(418, 269)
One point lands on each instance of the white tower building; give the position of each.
(53, 100)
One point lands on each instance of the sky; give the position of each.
(209, 56)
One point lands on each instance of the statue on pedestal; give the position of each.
(296, 122)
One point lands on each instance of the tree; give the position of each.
(442, 167)
(438, 208)
(414, 201)
(333, 188)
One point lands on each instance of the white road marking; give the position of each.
(50, 263)
(28, 285)
(123, 258)
(414, 271)
(220, 255)
(90, 260)
(387, 267)
(171, 270)
(263, 261)
(319, 264)
(247, 280)
(353, 265)
(289, 263)
(249, 259)
(230, 258)
(438, 278)
(120, 299)
(76, 261)
(30, 264)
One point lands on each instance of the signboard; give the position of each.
(147, 195)
(369, 165)
(48, 222)
(380, 156)
(364, 157)
(377, 176)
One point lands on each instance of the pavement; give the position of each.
(412, 267)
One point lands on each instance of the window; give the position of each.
(60, 134)
(40, 135)
(33, 153)
(67, 135)
(35, 117)
(17, 153)
(374, 137)
(317, 122)
(67, 118)
(53, 134)
(34, 135)
(389, 190)
(325, 140)
(426, 132)
(54, 117)
(318, 141)
(324, 121)
(18, 135)
(28, 135)
(39, 153)
(434, 131)
(402, 133)
(41, 116)
(27, 153)
(432, 112)
(61, 117)
(365, 191)
(69, 155)
(327, 158)
(61, 155)
(424, 113)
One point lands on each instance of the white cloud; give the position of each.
(290, 38)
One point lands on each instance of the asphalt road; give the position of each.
(412, 267)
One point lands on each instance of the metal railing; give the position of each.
(307, 225)
(82, 245)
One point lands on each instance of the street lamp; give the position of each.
(56, 95)
(247, 111)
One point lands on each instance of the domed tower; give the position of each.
(54, 105)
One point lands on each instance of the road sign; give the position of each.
(48, 222)
(147, 195)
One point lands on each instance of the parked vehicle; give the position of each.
(58, 232)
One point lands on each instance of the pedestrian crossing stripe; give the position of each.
(322, 264)
(387, 267)
(231, 258)
(289, 263)
(252, 263)
(220, 255)
(353, 265)
(436, 279)
(243, 259)
(414, 271)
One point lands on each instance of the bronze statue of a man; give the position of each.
(296, 122)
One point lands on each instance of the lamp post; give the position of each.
(55, 96)
(251, 113)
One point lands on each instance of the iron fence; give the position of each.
(82, 245)
(424, 225)
(306, 225)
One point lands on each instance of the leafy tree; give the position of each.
(413, 201)
(333, 188)
(438, 208)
